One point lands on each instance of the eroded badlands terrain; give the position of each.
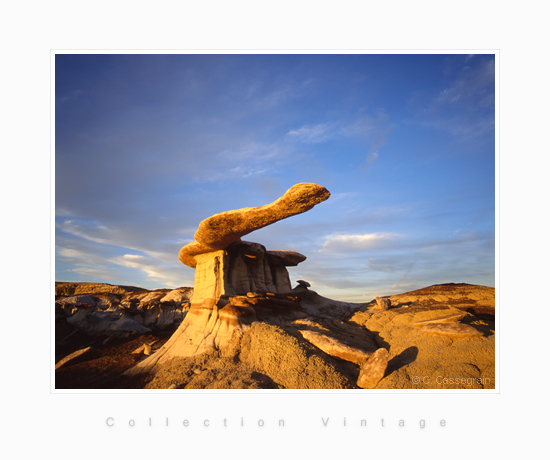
(439, 337)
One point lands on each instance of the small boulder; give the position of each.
(373, 370)
(383, 303)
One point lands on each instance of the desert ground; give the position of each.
(438, 337)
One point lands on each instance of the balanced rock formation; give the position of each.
(227, 269)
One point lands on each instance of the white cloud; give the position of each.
(70, 253)
(96, 233)
(108, 236)
(150, 267)
(131, 257)
(359, 242)
(242, 171)
(93, 272)
(312, 134)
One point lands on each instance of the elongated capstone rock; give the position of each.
(227, 269)
(220, 230)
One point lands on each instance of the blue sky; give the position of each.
(147, 146)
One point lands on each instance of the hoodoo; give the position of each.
(233, 277)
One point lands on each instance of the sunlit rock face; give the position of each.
(230, 271)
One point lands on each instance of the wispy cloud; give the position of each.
(370, 160)
(152, 268)
(465, 108)
(461, 127)
(359, 242)
(88, 230)
(68, 253)
(382, 266)
(313, 134)
(85, 246)
(133, 237)
(473, 87)
(253, 151)
(373, 128)
(91, 272)
(372, 157)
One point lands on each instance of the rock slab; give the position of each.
(453, 330)
(373, 370)
(334, 347)
(455, 317)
